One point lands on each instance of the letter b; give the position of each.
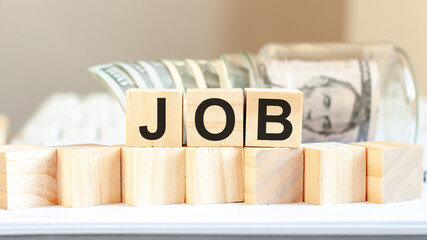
(273, 118)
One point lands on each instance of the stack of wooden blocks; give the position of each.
(241, 145)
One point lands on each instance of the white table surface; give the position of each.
(405, 218)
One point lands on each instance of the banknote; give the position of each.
(187, 76)
(253, 79)
(138, 74)
(181, 73)
(176, 77)
(115, 79)
(151, 71)
(237, 68)
(340, 96)
(197, 72)
(210, 73)
(163, 73)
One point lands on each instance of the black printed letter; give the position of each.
(229, 124)
(161, 122)
(263, 118)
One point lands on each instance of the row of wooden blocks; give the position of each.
(214, 118)
(320, 173)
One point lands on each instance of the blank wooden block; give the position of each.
(273, 175)
(273, 117)
(4, 129)
(214, 175)
(394, 170)
(27, 176)
(207, 112)
(88, 175)
(153, 175)
(154, 118)
(334, 173)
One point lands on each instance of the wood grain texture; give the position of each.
(88, 175)
(28, 176)
(273, 175)
(215, 117)
(4, 129)
(153, 175)
(334, 173)
(293, 97)
(394, 171)
(214, 175)
(141, 110)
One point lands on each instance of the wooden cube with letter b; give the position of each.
(334, 173)
(394, 171)
(273, 117)
(215, 117)
(153, 118)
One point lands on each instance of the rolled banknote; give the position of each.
(198, 74)
(115, 80)
(238, 70)
(341, 97)
(137, 73)
(163, 74)
(181, 74)
(208, 71)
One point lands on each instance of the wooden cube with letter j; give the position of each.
(273, 117)
(153, 118)
(215, 117)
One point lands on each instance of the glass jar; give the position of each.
(352, 91)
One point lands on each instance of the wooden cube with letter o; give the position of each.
(215, 117)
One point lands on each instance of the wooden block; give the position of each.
(4, 129)
(334, 173)
(214, 175)
(273, 175)
(214, 117)
(88, 175)
(273, 117)
(153, 118)
(394, 171)
(27, 176)
(153, 175)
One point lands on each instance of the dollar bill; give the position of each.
(163, 73)
(138, 74)
(154, 77)
(340, 96)
(198, 74)
(115, 79)
(254, 81)
(237, 68)
(181, 73)
(209, 72)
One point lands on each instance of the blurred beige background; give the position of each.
(47, 45)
